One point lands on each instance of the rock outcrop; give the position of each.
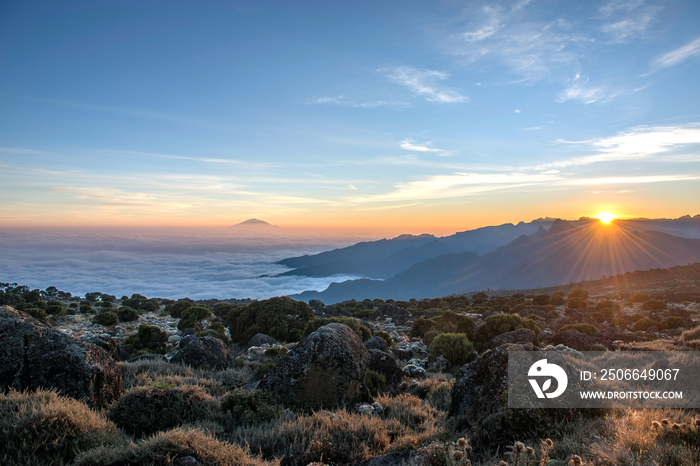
(377, 343)
(521, 336)
(574, 339)
(384, 363)
(207, 351)
(328, 367)
(260, 339)
(33, 355)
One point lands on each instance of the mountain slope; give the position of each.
(565, 253)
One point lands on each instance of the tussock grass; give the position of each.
(45, 428)
(144, 411)
(152, 373)
(164, 447)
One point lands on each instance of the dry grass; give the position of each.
(155, 373)
(45, 428)
(164, 447)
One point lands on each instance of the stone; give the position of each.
(384, 363)
(186, 461)
(376, 342)
(520, 336)
(414, 371)
(207, 351)
(33, 356)
(109, 344)
(574, 339)
(260, 339)
(328, 366)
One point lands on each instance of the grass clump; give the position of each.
(144, 411)
(375, 382)
(45, 428)
(588, 329)
(164, 447)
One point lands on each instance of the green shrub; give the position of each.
(44, 428)
(53, 308)
(498, 324)
(669, 323)
(363, 332)
(598, 316)
(541, 300)
(191, 317)
(653, 305)
(421, 326)
(557, 299)
(147, 340)
(384, 335)
(375, 382)
(578, 293)
(446, 322)
(282, 318)
(143, 411)
(607, 304)
(644, 324)
(37, 313)
(455, 347)
(216, 329)
(86, 309)
(639, 298)
(635, 317)
(588, 329)
(177, 308)
(363, 313)
(106, 318)
(127, 314)
(575, 303)
(430, 336)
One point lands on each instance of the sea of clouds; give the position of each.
(167, 263)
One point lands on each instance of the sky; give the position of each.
(433, 116)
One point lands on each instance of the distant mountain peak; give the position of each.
(559, 226)
(253, 222)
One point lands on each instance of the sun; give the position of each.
(606, 217)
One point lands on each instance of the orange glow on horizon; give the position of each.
(606, 217)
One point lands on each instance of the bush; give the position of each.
(455, 347)
(541, 300)
(588, 329)
(127, 314)
(430, 336)
(106, 318)
(37, 313)
(191, 317)
(386, 337)
(644, 324)
(45, 428)
(375, 382)
(86, 309)
(639, 298)
(147, 340)
(669, 323)
(653, 305)
(578, 293)
(217, 329)
(251, 407)
(282, 318)
(607, 304)
(498, 324)
(363, 332)
(575, 303)
(177, 308)
(144, 411)
(446, 322)
(557, 299)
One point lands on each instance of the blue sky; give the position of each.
(430, 116)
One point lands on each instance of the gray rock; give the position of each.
(33, 356)
(378, 343)
(574, 339)
(260, 339)
(414, 371)
(109, 344)
(384, 363)
(327, 366)
(207, 351)
(186, 461)
(317, 305)
(520, 336)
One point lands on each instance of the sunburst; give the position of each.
(606, 217)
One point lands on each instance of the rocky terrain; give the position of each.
(101, 381)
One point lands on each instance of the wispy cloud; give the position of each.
(677, 56)
(425, 83)
(580, 90)
(340, 100)
(327, 100)
(622, 30)
(20, 151)
(410, 144)
(486, 30)
(620, 5)
(642, 142)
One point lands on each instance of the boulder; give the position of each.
(33, 356)
(384, 363)
(521, 336)
(109, 344)
(378, 343)
(574, 339)
(206, 351)
(328, 366)
(260, 339)
(397, 314)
